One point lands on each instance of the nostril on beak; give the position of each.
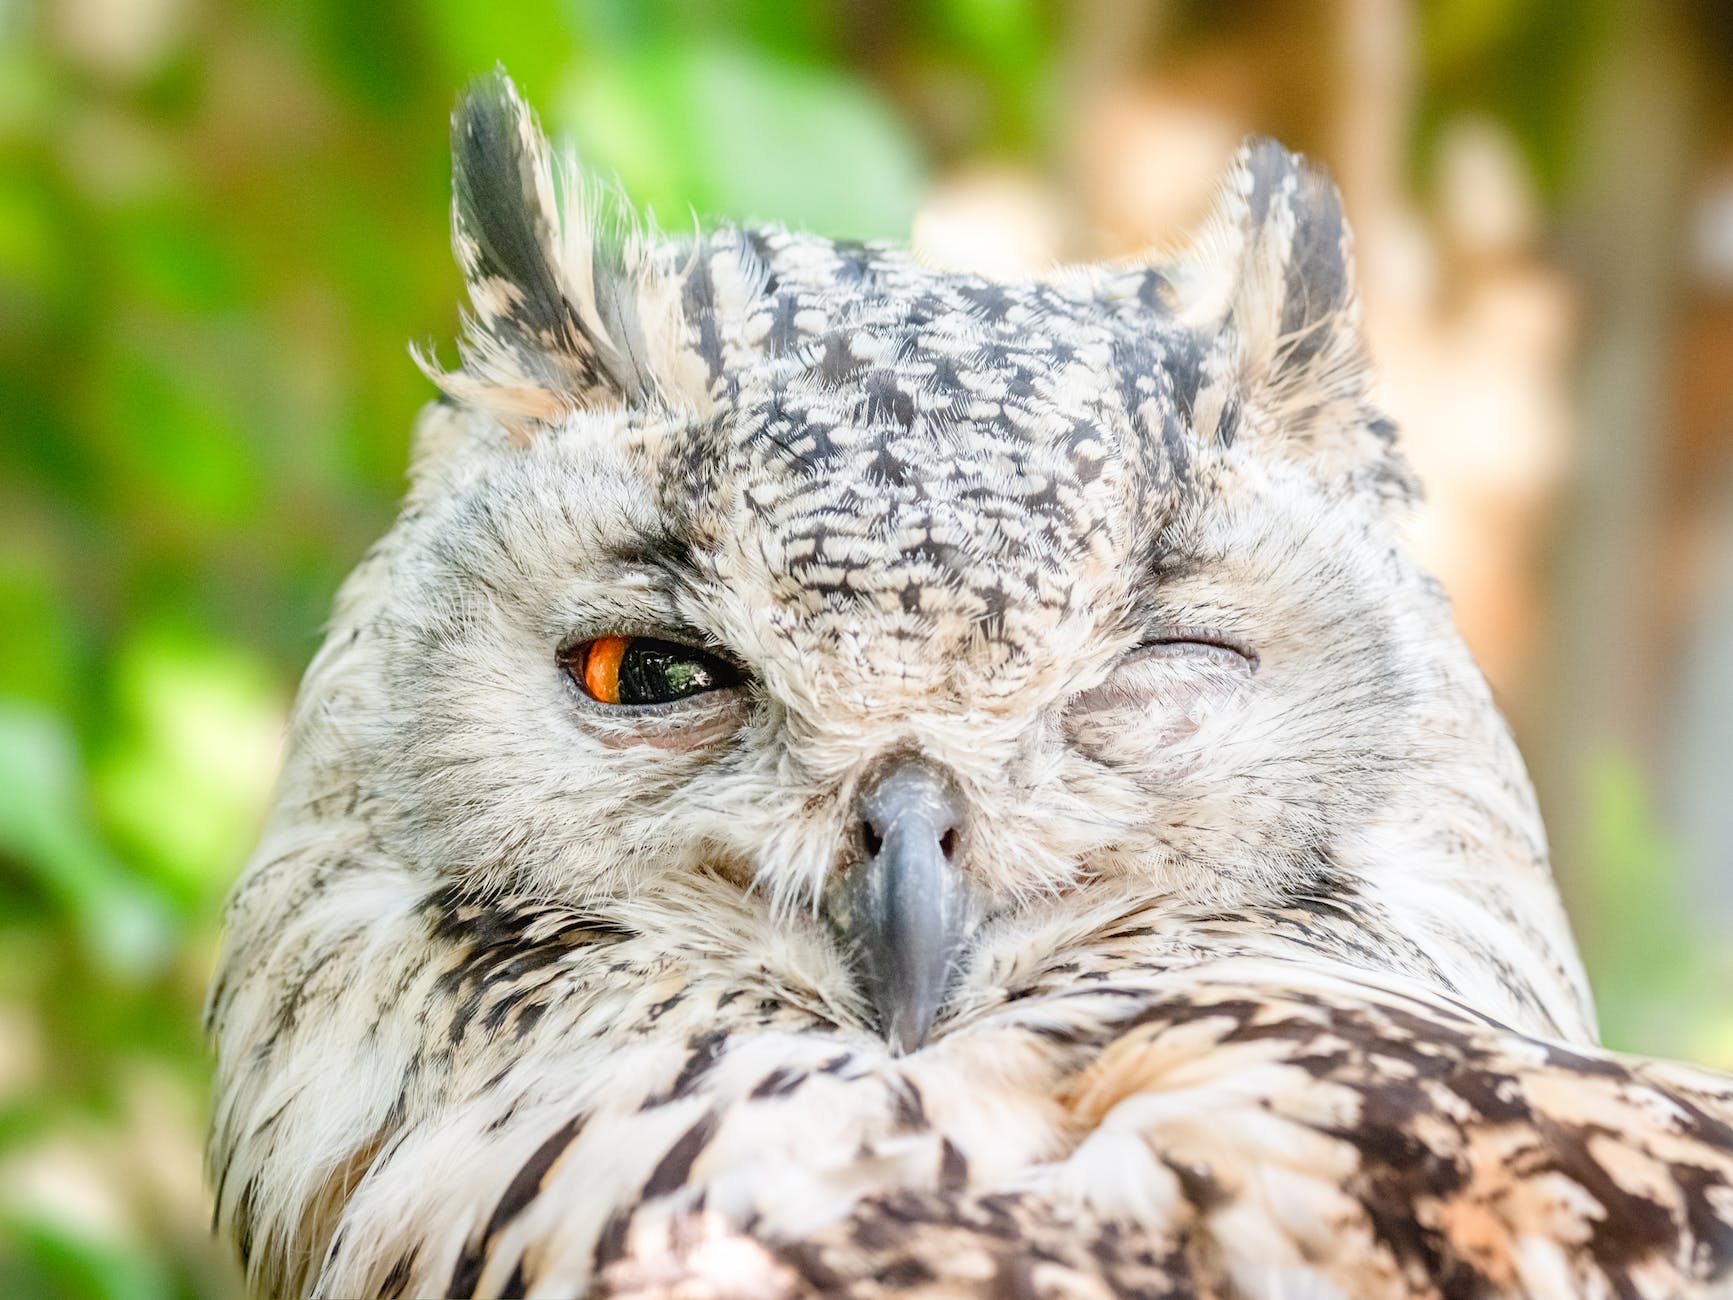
(872, 839)
(927, 810)
(902, 907)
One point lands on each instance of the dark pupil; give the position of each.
(655, 672)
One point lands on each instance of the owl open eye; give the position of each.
(628, 670)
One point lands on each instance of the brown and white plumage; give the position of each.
(1234, 966)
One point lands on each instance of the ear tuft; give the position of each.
(1272, 277)
(554, 271)
(1294, 306)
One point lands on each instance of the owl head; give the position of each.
(864, 623)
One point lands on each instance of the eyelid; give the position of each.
(592, 628)
(1186, 634)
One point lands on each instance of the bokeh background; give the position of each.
(222, 220)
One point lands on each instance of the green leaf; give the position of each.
(166, 421)
(45, 829)
(474, 35)
(735, 132)
(1647, 964)
(38, 654)
(52, 1261)
(187, 782)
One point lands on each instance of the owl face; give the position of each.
(895, 603)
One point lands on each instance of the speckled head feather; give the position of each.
(1101, 576)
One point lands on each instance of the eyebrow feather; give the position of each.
(663, 551)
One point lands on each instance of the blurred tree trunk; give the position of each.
(1624, 223)
(1108, 43)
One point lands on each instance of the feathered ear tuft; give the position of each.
(1272, 277)
(555, 269)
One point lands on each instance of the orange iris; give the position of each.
(602, 667)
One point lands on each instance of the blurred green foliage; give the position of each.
(220, 224)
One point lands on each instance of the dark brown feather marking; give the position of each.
(670, 1173)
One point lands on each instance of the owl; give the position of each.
(846, 779)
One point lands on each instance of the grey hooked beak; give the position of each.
(901, 908)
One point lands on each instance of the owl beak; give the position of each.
(901, 906)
